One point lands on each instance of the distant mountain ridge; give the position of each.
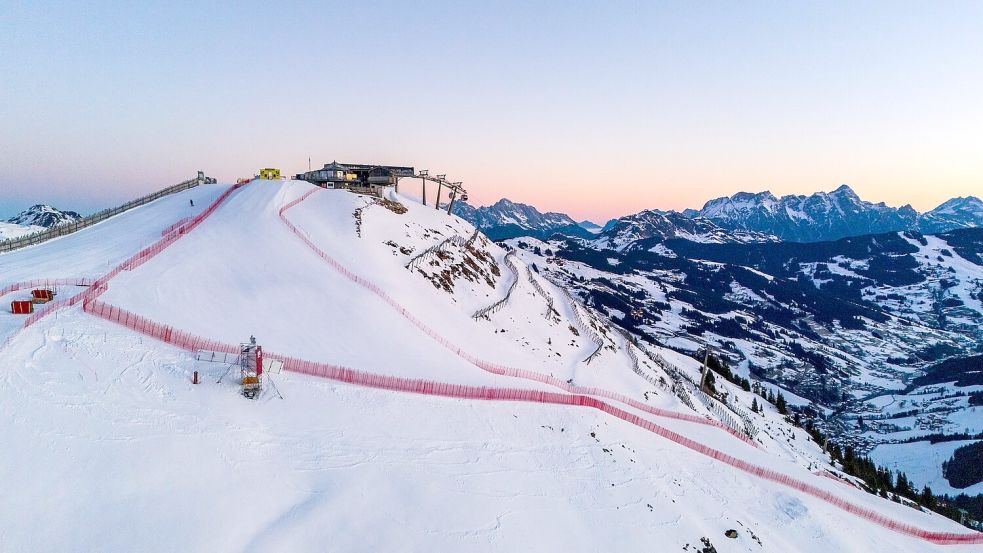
(741, 218)
(962, 212)
(506, 219)
(656, 226)
(824, 216)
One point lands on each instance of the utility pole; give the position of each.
(440, 187)
(454, 192)
(706, 359)
(423, 176)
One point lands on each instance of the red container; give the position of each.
(21, 307)
(41, 294)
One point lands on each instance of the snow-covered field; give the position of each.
(106, 445)
(9, 231)
(922, 463)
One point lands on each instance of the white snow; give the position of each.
(108, 446)
(922, 464)
(9, 231)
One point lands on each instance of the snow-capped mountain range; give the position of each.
(832, 215)
(963, 212)
(506, 219)
(743, 217)
(656, 225)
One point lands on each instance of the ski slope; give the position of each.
(107, 418)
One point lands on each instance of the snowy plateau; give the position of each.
(438, 393)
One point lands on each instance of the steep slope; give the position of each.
(583, 456)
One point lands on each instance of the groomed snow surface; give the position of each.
(107, 445)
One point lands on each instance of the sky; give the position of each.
(596, 109)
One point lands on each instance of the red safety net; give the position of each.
(99, 285)
(44, 283)
(487, 365)
(192, 342)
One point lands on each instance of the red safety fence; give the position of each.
(835, 478)
(162, 332)
(44, 283)
(188, 341)
(175, 226)
(191, 342)
(100, 285)
(488, 366)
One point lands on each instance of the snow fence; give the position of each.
(44, 283)
(99, 285)
(69, 228)
(481, 363)
(191, 342)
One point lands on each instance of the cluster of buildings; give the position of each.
(371, 179)
(356, 176)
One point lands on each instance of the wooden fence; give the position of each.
(69, 228)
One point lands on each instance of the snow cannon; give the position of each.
(251, 366)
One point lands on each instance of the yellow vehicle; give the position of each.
(269, 173)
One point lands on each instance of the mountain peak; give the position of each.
(504, 203)
(959, 212)
(43, 215)
(507, 219)
(844, 190)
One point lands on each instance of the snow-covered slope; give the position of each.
(597, 456)
(9, 231)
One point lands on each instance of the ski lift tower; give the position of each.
(251, 366)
